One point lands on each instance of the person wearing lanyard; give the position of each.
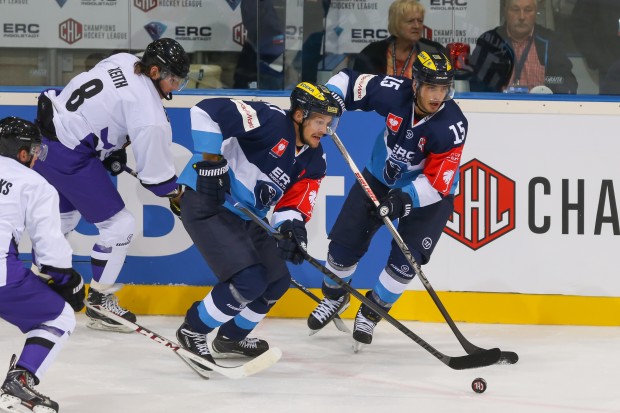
(395, 55)
(520, 55)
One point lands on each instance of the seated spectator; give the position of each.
(520, 55)
(395, 55)
(595, 25)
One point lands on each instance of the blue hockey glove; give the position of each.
(213, 182)
(397, 205)
(68, 283)
(294, 244)
(115, 161)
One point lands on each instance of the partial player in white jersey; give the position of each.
(87, 126)
(42, 309)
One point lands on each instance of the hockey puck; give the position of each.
(479, 385)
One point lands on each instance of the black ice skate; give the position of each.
(196, 343)
(18, 394)
(248, 347)
(109, 302)
(326, 311)
(364, 326)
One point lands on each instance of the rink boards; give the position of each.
(532, 239)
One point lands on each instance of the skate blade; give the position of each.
(357, 346)
(202, 372)
(14, 404)
(101, 325)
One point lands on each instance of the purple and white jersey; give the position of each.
(114, 104)
(28, 202)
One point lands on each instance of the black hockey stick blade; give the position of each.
(480, 359)
(256, 365)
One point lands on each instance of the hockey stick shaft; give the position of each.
(265, 360)
(508, 357)
(337, 320)
(480, 359)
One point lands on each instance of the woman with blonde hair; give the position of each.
(395, 55)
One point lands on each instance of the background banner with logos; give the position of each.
(534, 214)
(215, 25)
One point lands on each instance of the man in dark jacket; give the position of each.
(520, 55)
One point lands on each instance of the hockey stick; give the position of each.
(256, 365)
(482, 358)
(337, 320)
(507, 357)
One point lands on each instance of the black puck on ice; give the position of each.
(479, 385)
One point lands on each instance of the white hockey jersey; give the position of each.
(28, 202)
(113, 103)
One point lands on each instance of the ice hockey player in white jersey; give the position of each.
(87, 127)
(413, 171)
(42, 309)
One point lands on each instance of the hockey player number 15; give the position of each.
(459, 136)
(389, 81)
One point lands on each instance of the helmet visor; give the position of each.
(323, 122)
(177, 82)
(438, 92)
(39, 150)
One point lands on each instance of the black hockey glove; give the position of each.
(294, 244)
(213, 182)
(339, 99)
(68, 283)
(397, 205)
(116, 161)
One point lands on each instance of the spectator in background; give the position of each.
(395, 55)
(258, 66)
(520, 55)
(595, 25)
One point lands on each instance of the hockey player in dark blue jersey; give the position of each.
(413, 171)
(265, 157)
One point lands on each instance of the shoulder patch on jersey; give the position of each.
(248, 114)
(280, 147)
(359, 88)
(393, 122)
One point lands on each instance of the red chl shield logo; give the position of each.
(484, 208)
(70, 31)
(145, 5)
(279, 149)
(393, 122)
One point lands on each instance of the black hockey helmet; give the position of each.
(168, 55)
(315, 98)
(434, 68)
(17, 134)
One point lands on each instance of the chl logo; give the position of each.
(145, 5)
(239, 34)
(484, 208)
(70, 31)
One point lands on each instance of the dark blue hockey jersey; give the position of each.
(266, 169)
(420, 158)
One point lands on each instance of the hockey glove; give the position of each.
(175, 201)
(397, 205)
(116, 161)
(68, 283)
(213, 182)
(294, 244)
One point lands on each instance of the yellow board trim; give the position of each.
(502, 308)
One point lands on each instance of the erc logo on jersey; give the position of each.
(484, 208)
(393, 122)
(279, 149)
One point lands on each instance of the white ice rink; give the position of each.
(562, 369)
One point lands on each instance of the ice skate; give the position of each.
(110, 303)
(248, 347)
(326, 311)
(363, 327)
(196, 343)
(18, 394)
